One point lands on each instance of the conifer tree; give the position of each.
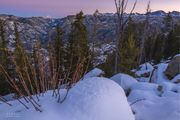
(20, 60)
(172, 44)
(129, 54)
(107, 67)
(78, 44)
(168, 21)
(157, 52)
(3, 44)
(19, 50)
(4, 59)
(58, 47)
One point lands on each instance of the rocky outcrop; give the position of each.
(173, 68)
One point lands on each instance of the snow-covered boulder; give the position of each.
(92, 99)
(96, 72)
(124, 80)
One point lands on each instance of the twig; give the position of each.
(137, 101)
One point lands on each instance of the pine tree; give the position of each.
(19, 50)
(4, 59)
(3, 45)
(78, 44)
(168, 21)
(129, 53)
(107, 67)
(78, 37)
(130, 29)
(58, 47)
(20, 60)
(172, 44)
(157, 52)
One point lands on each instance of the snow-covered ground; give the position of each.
(149, 96)
(158, 99)
(90, 99)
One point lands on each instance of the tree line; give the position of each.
(30, 72)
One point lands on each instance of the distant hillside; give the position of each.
(40, 28)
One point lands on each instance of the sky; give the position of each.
(62, 8)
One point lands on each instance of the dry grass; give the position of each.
(37, 75)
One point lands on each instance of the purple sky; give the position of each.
(60, 8)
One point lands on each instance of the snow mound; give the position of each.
(101, 99)
(91, 99)
(124, 80)
(96, 72)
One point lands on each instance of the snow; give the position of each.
(158, 100)
(96, 72)
(177, 55)
(152, 107)
(101, 99)
(9, 97)
(141, 94)
(144, 68)
(144, 86)
(159, 76)
(167, 86)
(92, 99)
(124, 80)
(176, 78)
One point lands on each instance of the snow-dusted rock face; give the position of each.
(92, 99)
(124, 80)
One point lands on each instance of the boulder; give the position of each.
(173, 68)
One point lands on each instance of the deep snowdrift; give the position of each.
(91, 99)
